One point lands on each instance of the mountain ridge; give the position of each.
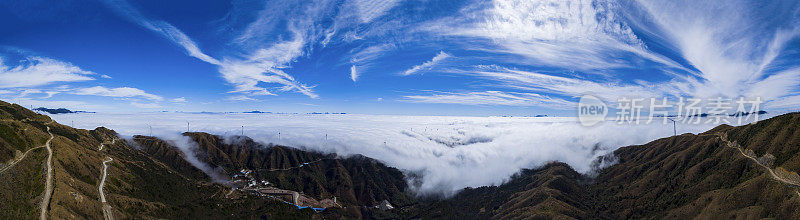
(726, 172)
(146, 177)
(684, 176)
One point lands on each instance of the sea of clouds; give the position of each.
(449, 153)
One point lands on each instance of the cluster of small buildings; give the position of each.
(245, 179)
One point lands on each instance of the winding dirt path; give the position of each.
(755, 160)
(7, 167)
(104, 144)
(18, 160)
(48, 190)
(107, 211)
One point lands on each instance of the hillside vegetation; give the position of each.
(680, 177)
(151, 178)
(747, 172)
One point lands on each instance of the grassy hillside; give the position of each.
(553, 191)
(22, 132)
(728, 172)
(779, 136)
(354, 181)
(680, 177)
(147, 178)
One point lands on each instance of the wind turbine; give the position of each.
(674, 129)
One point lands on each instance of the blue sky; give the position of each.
(502, 57)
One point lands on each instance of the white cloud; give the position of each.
(26, 92)
(146, 105)
(779, 84)
(121, 92)
(48, 93)
(263, 65)
(428, 64)
(161, 27)
(716, 56)
(68, 104)
(370, 53)
(573, 87)
(492, 98)
(577, 34)
(443, 149)
(27, 81)
(247, 75)
(353, 73)
(40, 71)
(189, 149)
(362, 59)
(240, 98)
(73, 105)
(179, 100)
(371, 9)
(733, 45)
(787, 103)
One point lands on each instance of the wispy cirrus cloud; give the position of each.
(240, 98)
(151, 105)
(733, 45)
(179, 100)
(554, 48)
(551, 84)
(266, 65)
(371, 9)
(37, 71)
(263, 65)
(163, 28)
(354, 73)
(48, 93)
(69, 104)
(580, 34)
(700, 53)
(120, 92)
(786, 102)
(37, 80)
(307, 26)
(491, 98)
(370, 53)
(364, 58)
(278, 35)
(427, 65)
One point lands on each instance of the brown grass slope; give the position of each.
(149, 177)
(355, 180)
(21, 174)
(779, 136)
(680, 177)
(142, 183)
(554, 191)
(689, 176)
(685, 176)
